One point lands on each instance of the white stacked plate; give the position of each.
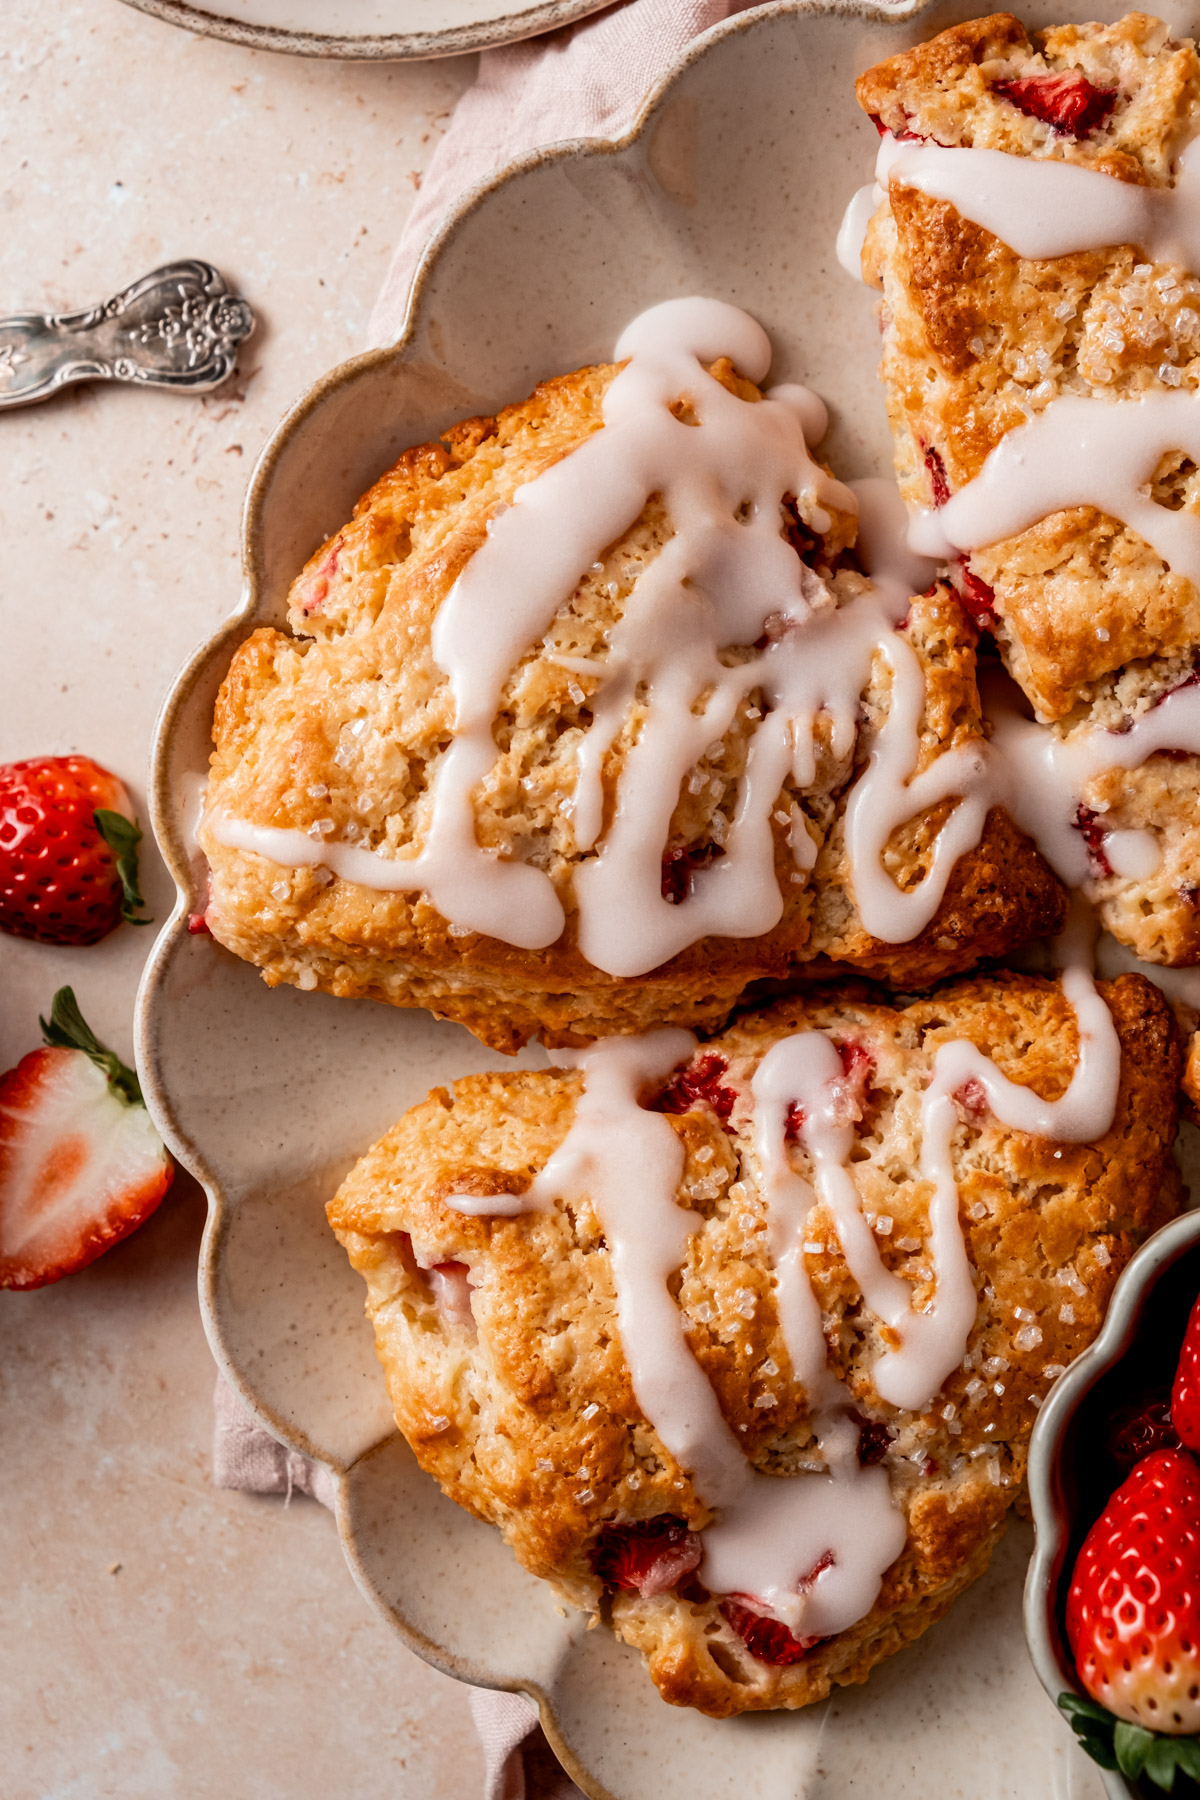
(396, 30)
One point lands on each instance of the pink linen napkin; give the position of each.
(588, 80)
(519, 1763)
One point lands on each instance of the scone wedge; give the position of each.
(620, 786)
(1076, 360)
(511, 1321)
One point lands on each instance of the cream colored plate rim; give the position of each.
(510, 25)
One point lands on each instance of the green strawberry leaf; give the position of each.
(1132, 1744)
(1078, 1705)
(1160, 1763)
(1099, 1749)
(1115, 1744)
(123, 837)
(1187, 1755)
(1093, 1726)
(68, 1030)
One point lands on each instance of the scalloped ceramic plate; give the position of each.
(732, 184)
(389, 30)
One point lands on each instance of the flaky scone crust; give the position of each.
(339, 726)
(531, 1423)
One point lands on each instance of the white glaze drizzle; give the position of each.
(770, 1534)
(852, 232)
(806, 1070)
(1078, 451)
(1041, 207)
(1047, 772)
(626, 1163)
(724, 573)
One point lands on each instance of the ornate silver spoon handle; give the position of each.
(178, 327)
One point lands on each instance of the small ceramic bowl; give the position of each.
(1071, 1474)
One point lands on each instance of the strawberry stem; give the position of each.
(68, 1030)
(1116, 1744)
(123, 836)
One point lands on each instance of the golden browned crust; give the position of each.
(998, 894)
(338, 729)
(527, 1416)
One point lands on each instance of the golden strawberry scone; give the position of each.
(1041, 387)
(553, 748)
(708, 1330)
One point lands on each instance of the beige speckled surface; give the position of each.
(229, 1655)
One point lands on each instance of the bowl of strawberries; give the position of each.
(1112, 1602)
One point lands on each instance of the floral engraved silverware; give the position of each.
(178, 327)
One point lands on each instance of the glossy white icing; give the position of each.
(852, 231)
(1046, 775)
(1041, 207)
(806, 1070)
(626, 1163)
(1078, 451)
(451, 1290)
(725, 573)
(810, 1549)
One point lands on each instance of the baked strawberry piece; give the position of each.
(81, 1165)
(68, 851)
(1063, 99)
(650, 1556)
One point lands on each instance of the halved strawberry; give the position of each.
(1185, 1392)
(1133, 1622)
(1065, 100)
(648, 1555)
(68, 851)
(81, 1165)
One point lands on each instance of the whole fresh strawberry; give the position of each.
(1133, 1623)
(68, 851)
(81, 1165)
(1185, 1394)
